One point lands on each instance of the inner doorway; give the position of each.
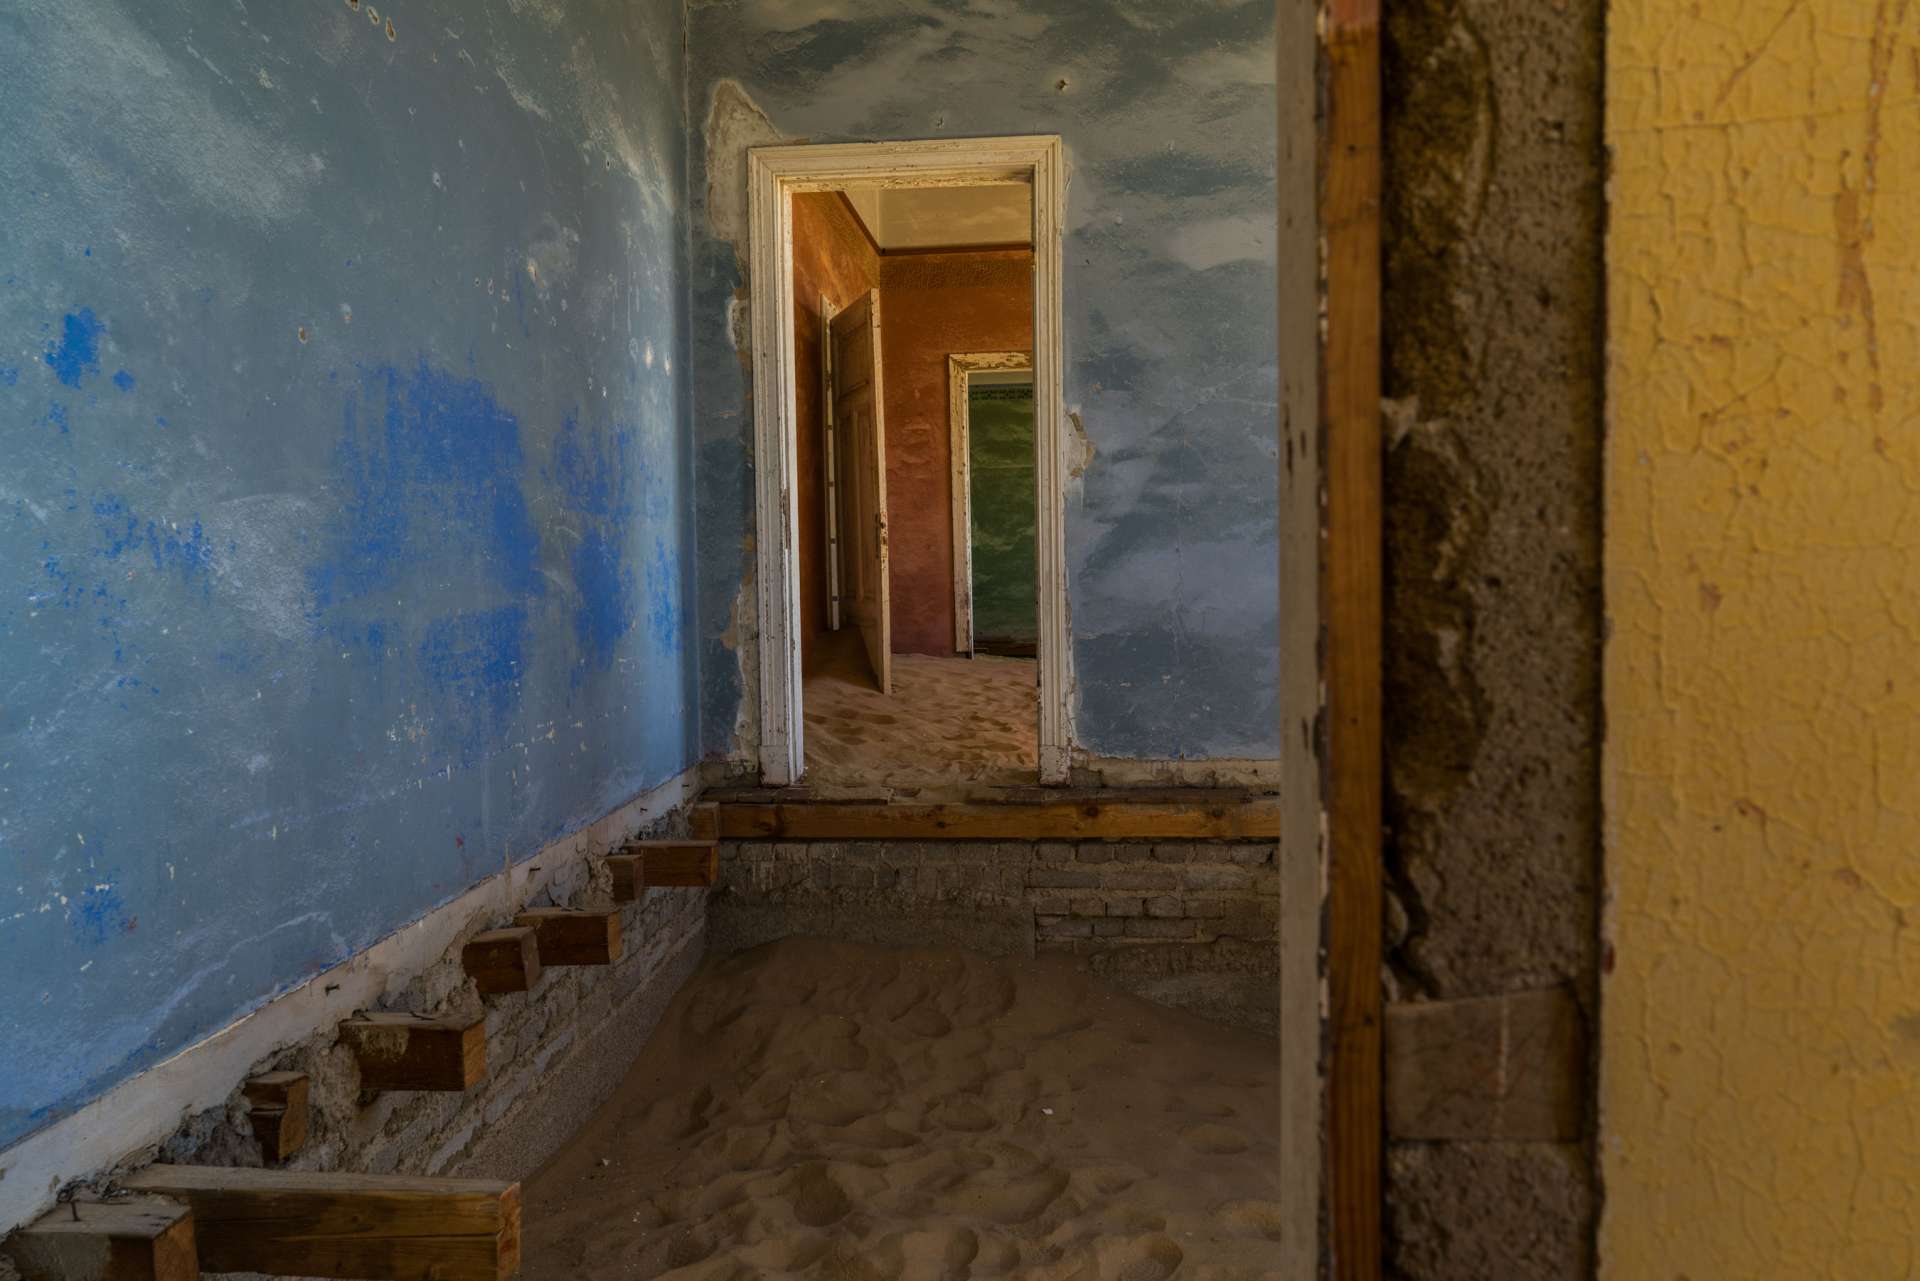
(894, 265)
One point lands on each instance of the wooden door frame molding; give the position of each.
(961, 366)
(1348, 191)
(774, 175)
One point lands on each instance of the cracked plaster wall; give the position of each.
(1493, 219)
(1761, 1028)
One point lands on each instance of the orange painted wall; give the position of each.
(932, 305)
(832, 258)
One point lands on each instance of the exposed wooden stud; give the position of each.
(277, 1106)
(143, 1238)
(573, 936)
(1084, 820)
(652, 864)
(387, 1227)
(1351, 612)
(505, 960)
(416, 1052)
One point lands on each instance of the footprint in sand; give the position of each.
(1250, 1218)
(1214, 1140)
(964, 1115)
(924, 1020)
(817, 1199)
(1151, 1258)
(1008, 1200)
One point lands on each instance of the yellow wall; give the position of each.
(1760, 1085)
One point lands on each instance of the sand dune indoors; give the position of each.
(822, 1110)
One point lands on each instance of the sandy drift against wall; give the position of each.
(824, 1110)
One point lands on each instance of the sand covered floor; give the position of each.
(949, 723)
(822, 1110)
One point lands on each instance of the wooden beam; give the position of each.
(385, 1227)
(574, 936)
(651, 864)
(143, 1238)
(277, 1106)
(416, 1052)
(1351, 612)
(1084, 820)
(503, 960)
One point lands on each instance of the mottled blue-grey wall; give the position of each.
(345, 521)
(1167, 108)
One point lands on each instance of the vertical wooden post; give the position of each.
(1350, 192)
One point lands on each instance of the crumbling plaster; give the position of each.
(1493, 302)
(1760, 1033)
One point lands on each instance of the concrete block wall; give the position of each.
(554, 1054)
(1189, 924)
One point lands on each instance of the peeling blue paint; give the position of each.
(433, 471)
(281, 621)
(77, 355)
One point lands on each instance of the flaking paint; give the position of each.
(1758, 1114)
(345, 525)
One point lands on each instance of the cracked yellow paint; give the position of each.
(1760, 1074)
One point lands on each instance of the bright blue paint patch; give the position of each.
(606, 596)
(99, 915)
(9, 376)
(78, 352)
(186, 552)
(123, 380)
(429, 468)
(665, 622)
(56, 418)
(473, 663)
(590, 470)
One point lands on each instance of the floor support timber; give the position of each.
(360, 1226)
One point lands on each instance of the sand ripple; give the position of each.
(821, 1110)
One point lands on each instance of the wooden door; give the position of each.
(861, 431)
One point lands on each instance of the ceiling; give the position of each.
(937, 217)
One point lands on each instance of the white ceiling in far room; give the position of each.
(936, 217)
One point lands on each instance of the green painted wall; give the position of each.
(1000, 452)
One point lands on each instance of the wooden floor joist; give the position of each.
(416, 1052)
(361, 1226)
(1257, 820)
(277, 1106)
(503, 960)
(574, 936)
(139, 1238)
(648, 864)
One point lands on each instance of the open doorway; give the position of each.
(914, 621)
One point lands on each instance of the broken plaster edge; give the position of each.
(147, 1108)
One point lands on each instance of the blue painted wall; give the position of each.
(346, 520)
(1168, 111)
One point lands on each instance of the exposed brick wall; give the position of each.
(553, 1055)
(1188, 924)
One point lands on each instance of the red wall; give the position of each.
(932, 305)
(832, 255)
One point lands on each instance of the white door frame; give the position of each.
(774, 174)
(961, 365)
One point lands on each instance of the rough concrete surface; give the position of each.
(1493, 257)
(1488, 1211)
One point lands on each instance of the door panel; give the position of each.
(858, 419)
